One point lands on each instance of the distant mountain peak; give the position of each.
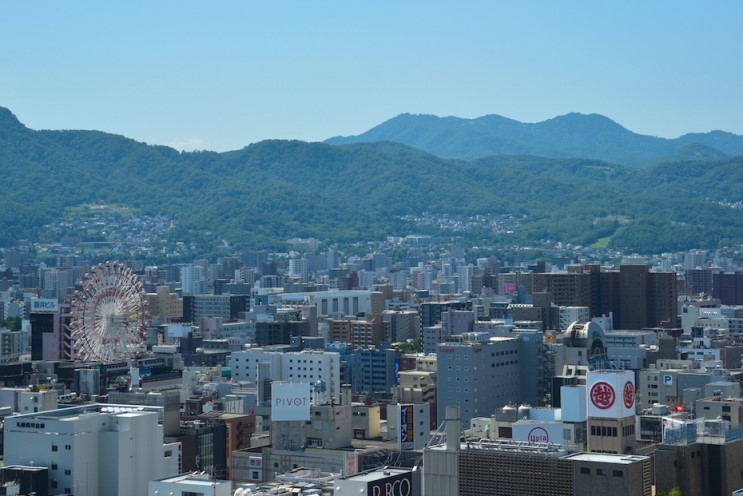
(577, 135)
(586, 120)
(8, 120)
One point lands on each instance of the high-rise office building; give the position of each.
(646, 299)
(193, 280)
(699, 280)
(401, 325)
(478, 375)
(46, 329)
(227, 307)
(637, 297)
(728, 287)
(568, 289)
(464, 278)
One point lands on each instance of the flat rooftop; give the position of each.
(607, 458)
(510, 447)
(63, 412)
(377, 474)
(193, 479)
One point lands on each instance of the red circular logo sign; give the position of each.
(538, 435)
(629, 394)
(602, 395)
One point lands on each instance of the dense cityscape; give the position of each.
(485, 248)
(413, 366)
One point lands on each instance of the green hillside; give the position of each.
(271, 191)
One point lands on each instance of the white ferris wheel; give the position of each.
(109, 315)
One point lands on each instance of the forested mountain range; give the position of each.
(271, 191)
(567, 136)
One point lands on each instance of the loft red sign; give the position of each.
(602, 395)
(629, 394)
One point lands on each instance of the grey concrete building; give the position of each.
(479, 373)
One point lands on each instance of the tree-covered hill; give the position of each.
(274, 190)
(572, 135)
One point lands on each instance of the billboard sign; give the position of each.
(290, 401)
(628, 394)
(407, 427)
(395, 485)
(45, 305)
(538, 432)
(538, 435)
(603, 395)
(611, 394)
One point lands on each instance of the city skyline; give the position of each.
(194, 77)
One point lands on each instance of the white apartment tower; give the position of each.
(465, 273)
(193, 279)
(299, 269)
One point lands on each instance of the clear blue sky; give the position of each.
(221, 75)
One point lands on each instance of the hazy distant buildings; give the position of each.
(12, 345)
(728, 287)
(457, 321)
(164, 305)
(58, 282)
(431, 311)
(227, 307)
(336, 304)
(280, 331)
(465, 273)
(193, 280)
(568, 289)
(299, 269)
(401, 325)
(647, 299)
(357, 333)
(698, 281)
(637, 297)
